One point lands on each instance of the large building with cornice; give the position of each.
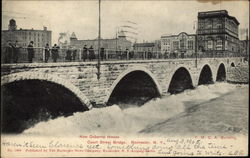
(217, 32)
(24, 36)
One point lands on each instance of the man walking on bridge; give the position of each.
(47, 53)
(84, 53)
(55, 53)
(91, 54)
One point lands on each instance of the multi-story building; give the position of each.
(119, 43)
(181, 43)
(217, 32)
(24, 36)
(147, 46)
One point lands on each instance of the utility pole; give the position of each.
(99, 42)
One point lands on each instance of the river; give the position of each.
(219, 108)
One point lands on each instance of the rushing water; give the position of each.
(216, 108)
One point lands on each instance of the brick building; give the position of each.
(217, 32)
(147, 46)
(181, 43)
(119, 43)
(24, 36)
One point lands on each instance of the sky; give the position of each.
(151, 19)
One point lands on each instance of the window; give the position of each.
(190, 45)
(209, 44)
(209, 24)
(176, 45)
(182, 44)
(168, 41)
(219, 44)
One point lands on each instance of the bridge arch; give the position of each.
(221, 72)
(206, 75)
(47, 77)
(141, 71)
(48, 97)
(180, 80)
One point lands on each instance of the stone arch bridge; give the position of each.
(119, 79)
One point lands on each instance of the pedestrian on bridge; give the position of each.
(68, 55)
(84, 53)
(55, 53)
(8, 53)
(166, 55)
(31, 52)
(47, 53)
(150, 55)
(131, 54)
(91, 54)
(74, 54)
(16, 52)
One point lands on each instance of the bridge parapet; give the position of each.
(83, 74)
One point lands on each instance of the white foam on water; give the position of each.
(113, 119)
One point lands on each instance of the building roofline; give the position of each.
(25, 30)
(178, 35)
(216, 13)
(113, 39)
(213, 11)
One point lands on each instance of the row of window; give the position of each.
(210, 45)
(30, 33)
(182, 44)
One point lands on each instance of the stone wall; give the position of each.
(239, 73)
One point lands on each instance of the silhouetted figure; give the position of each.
(119, 54)
(127, 54)
(74, 54)
(31, 52)
(182, 55)
(84, 53)
(8, 53)
(47, 53)
(68, 55)
(55, 53)
(174, 55)
(16, 52)
(150, 55)
(91, 54)
(124, 54)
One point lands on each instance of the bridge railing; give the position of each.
(21, 55)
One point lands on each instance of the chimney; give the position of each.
(45, 28)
